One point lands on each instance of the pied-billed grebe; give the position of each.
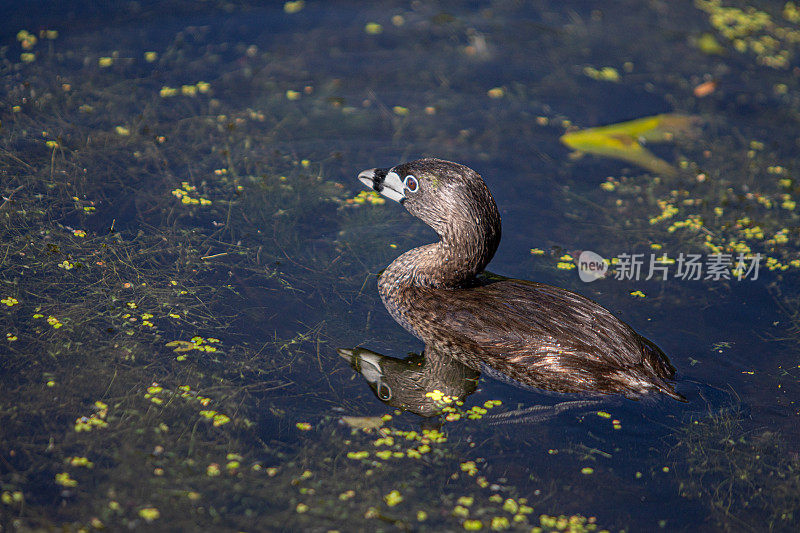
(535, 334)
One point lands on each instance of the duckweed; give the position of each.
(79, 461)
(499, 523)
(96, 420)
(393, 498)
(293, 6)
(373, 28)
(366, 197)
(466, 501)
(571, 524)
(65, 480)
(217, 419)
(603, 74)
(149, 514)
(510, 506)
(460, 511)
(10, 498)
(717, 230)
(195, 207)
(188, 195)
(755, 32)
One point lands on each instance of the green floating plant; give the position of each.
(626, 140)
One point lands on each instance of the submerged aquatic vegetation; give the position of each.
(744, 475)
(146, 214)
(386, 486)
(105, 273)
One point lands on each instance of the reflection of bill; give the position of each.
(591, 266)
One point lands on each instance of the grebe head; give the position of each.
(450, 198)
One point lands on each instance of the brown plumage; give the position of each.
(535, 334)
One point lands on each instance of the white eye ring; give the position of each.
(411, 183)
(384, 391)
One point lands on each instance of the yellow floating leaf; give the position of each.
(625, 140)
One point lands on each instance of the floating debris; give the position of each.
(362, 422)
(626, 140)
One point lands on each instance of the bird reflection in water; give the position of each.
(410, 383)
(530, 334)
(427, 384)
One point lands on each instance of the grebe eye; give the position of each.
(384, 392)
(411, 183)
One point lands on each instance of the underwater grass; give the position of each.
(184, 248)
(130, 266)
(744, 474)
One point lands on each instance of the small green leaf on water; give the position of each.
(393, 498)
(709, 45)
(293, 7)
(373, 28)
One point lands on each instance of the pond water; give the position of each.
(185, 246)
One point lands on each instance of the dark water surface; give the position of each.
(184, 249)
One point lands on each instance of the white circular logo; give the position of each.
(591, 266)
